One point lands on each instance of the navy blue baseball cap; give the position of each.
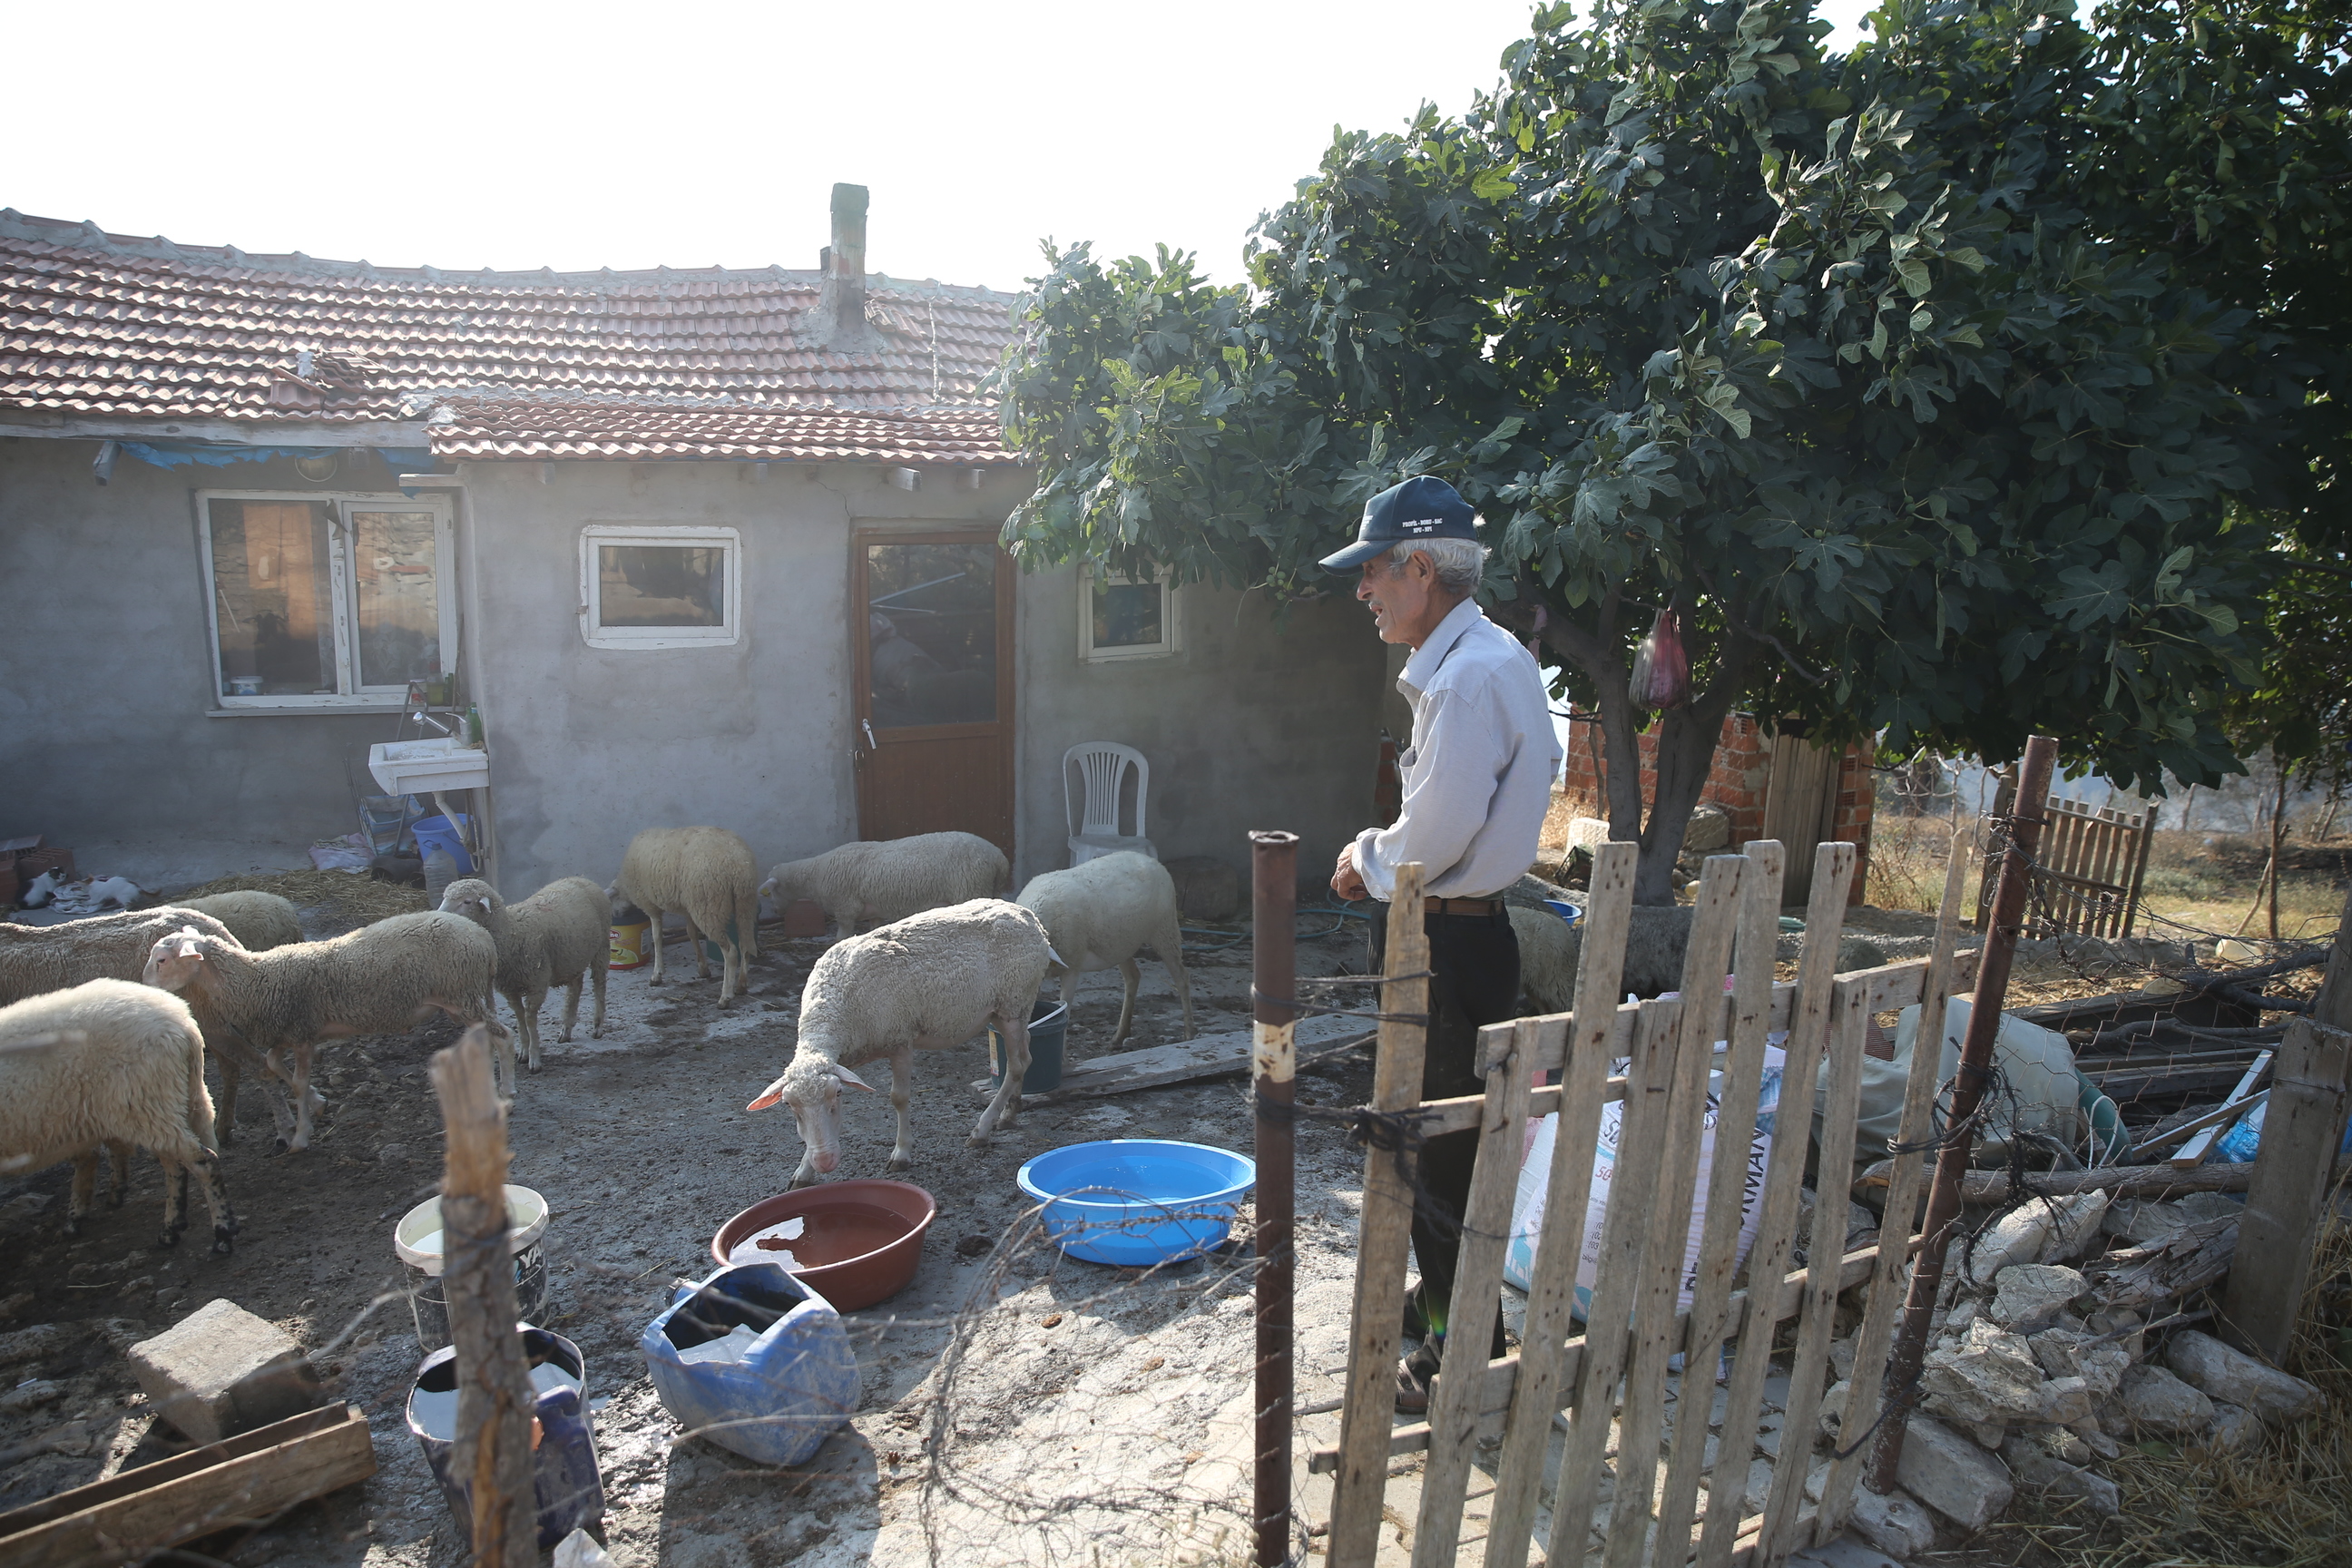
(1423, 508)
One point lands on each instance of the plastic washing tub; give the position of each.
(857, 1242)
(1136, 1202)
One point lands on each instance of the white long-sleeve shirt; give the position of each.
(1478, 774)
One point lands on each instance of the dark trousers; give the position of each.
(1475, 966)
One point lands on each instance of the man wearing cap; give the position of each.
(1477, 782)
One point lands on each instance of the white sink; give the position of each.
(420, 767)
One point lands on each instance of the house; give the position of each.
(702, 545)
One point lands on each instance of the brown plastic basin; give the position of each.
(861, 1244)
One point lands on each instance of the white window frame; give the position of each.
(1171, 622)
(595, 535)
(341, 504)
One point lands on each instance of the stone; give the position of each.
(2155, 1401)
(1957, 1322)
(1988, 1435)
(1842, 1360)
(1895, 1523)
(1832, 1411)
(2029, 1296)
(2219, 1372)
(32, 1344)
(2066, 1399)
(2039, 1232)
(2035, 1466)
(1207, 888)
(2120, 1321)
(221, 1371)
(2234, 1428)
(1989, 1378)
(31, 1396)
(2069, 1353)
(2095, 1438)
(1952, 1475)
(1710, 829)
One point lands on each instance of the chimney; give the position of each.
(841, 326)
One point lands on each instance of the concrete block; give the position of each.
(2218, 1372)
(221, 1371)
(1952, 1475)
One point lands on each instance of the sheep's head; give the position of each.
(811, 1087)
(472, 898)
(782, 884)
(176, 961)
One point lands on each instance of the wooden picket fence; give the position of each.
(2087, 873)
(1670, 1049)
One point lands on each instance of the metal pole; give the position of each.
(2016, 849)
(1274, 987)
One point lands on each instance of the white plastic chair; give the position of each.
(1102, 768)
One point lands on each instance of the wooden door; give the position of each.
(1800, 806)
(933, 629)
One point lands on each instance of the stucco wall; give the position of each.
(108, 749)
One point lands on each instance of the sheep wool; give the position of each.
(260, 920)
(110, 1061)
(707, 874)
(868, 884)
(1101, 913)
(559, 936)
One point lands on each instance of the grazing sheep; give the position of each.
(874, 883)
(114, 1063)
(928, 983)
(1101, 914)
(379, 979)
(707, 874)
(260, 920)
(550, 939)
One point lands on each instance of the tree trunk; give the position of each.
(2278, 841)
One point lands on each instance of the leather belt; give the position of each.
(1486, 907)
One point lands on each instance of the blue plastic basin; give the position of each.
(1136, 1202)
(1564, 909)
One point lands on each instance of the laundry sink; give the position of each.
(420, 767)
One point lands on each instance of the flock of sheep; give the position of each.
(105, 1022)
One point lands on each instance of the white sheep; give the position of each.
(708, 874)
(260, 920)
(1101, 914)
(379, 979)
(1547, 952)
(114, 1063)
(928, 983)
(874, 883)
(552, 938)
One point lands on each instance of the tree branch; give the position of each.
(1731, 618)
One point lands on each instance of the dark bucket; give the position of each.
(570, 1488)
(1048, 1024)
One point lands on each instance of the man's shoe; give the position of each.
(1413, 1391)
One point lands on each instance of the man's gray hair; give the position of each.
(1457, 562)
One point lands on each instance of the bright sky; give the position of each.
(518, 136)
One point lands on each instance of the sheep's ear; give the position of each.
(851, 1078)
(765, 1101)
(1059, 961)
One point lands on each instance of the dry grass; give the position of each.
(354, 898)
(1556, 820)
(1906, 860)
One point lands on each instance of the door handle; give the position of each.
(868, 725)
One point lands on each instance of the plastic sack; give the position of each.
(2242, 1142)
(1660, 669)
(1535, 1178)
(2041, 1091)
(349, 853)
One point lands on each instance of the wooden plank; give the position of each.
(2123, 1088)
(1155, 1066)
(247, 1480)
(2301, 1129)
(2139, 868)
(1719, 1257)
(1715, 921)
(1551, 1301)
(1776, 1224)
(1875, 1337)
(1384, 1232)
(1478, 1300)
(1982, 1187)
(2217, 1121)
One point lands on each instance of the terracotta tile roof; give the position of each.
(707, 362)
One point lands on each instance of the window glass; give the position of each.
(398, 608)
(930, 625)
(1128, 614)
(273, 599)
(661, 585)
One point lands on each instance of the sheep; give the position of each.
(114, 1063)
(875, 883)
(928, 983)
(379, 979)
(260, 920)
(548, 940)
(1656, 936)
(709, 875)
(1099, 915)
(42, 888)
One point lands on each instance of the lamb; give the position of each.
(114, 1063)
(260, 920)
(708, 874)
(928, 983)
(379, 979)
(550, 939)
(1099, 915)
(875, 883)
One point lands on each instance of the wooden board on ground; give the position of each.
(1209, 1056)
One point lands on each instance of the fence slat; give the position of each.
(1385, 1231)
(1478, 1298)
(1718, 1258)
(1776, 1229)
(1714, 922)
(1543, 1346)
(1886, 1294)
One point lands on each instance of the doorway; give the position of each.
(933, 633)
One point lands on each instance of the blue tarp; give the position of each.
(180, 454)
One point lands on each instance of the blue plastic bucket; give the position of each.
(434, 833)
(1136, 1202)
(774, 1394)
(568, 1487)
(1048, 1025)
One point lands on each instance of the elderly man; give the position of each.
(1477, 781)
